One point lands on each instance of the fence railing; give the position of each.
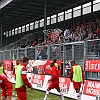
(89, 49)
(44, 52)
(79, 51)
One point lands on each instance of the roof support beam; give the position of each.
(45, 17)
(21, 12)
(4, 3)
(15, 7)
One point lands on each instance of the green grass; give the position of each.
(39, 95)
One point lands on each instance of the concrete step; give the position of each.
(92, 55)
(92, 58)
(81, 60)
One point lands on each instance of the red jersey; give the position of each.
(98, 31)
(24, 76)
(4, 82)
(55, 74)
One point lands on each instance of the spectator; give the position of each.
(95, 36)
(90, 35)
(26, 44)
(22, 45)
(33, 44)
(98, 32)
(76, 37)
(38, 53)
(67, 34)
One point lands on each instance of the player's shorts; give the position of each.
(54, 85)
(77, 85)
(7, 92)
(21, 93)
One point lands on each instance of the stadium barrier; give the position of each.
(74, 50)
(35, 66)
(52, 51)
(91, 88)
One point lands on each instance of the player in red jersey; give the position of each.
(53, 81)
(6, 87)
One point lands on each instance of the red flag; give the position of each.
(53, 34)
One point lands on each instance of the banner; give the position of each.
(8, 65)
(38, 80)
(41, 67)
(36, 66)
(92, 65)
(47, 67)
(64, 84)
(90, 91)
(91, 88)
(53, 33)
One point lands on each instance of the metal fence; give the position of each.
(73, 51)
(93, 53)
(89, 49)
(44, 52)
(79, 51)
(93, 49)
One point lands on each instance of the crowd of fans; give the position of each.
(81, 31)
(90, 30)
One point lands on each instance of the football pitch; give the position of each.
(39, 95)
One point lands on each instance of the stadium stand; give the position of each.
(30, 28)
(89, 30)
(24, 34)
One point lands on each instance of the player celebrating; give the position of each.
(53, 81)
(6, 87)
(77, 77)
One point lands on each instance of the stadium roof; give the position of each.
(21, 12)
